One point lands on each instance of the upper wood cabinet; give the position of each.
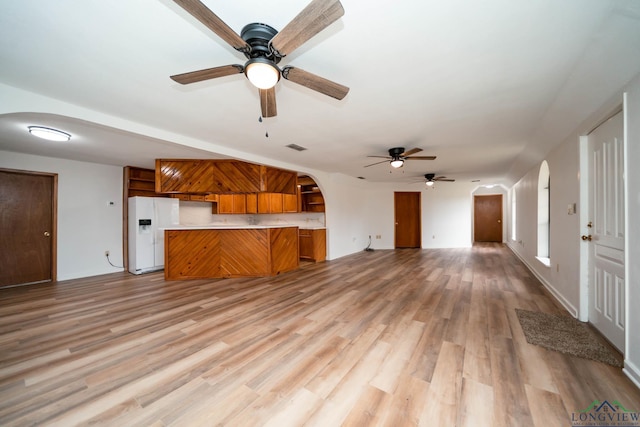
(184, 176)
(231, 204)
(279, 181)
(231, 176)
(221, 176)
(289, 203)
(269, 203)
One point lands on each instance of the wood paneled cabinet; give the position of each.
(221, 177)
(211, 253)
(255, 203)
(311, 198)
(269, 203)
(231, 204)
(276, 180)
(184, 176)
(313, 244)
(290, 203)
(236, 177)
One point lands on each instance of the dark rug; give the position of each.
(564, 334)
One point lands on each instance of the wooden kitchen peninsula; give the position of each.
(240, 251)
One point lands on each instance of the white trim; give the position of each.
(546, 261)
(632, 372)
(583, 150)
(627, 261)
(554, 292)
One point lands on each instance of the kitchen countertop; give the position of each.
(225, 227)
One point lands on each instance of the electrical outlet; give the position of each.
(378, 236)
(106, 253)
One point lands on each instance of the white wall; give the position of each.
(87, 225)
(446, 214)
(345, 201)
(563, 276)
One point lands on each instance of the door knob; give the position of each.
(47, 234)
(499, 221)
(589, 238)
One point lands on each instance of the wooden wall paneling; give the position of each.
(284, 249)
(184, 176)
(245, 253)
(192, 254)
(276, 180)
(230, 176)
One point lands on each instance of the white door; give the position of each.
(606, 228)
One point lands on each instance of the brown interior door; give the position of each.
(26, 227)
(487, 218)
(407, 219)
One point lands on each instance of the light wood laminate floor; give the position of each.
(390, 338)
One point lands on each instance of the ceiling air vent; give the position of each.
(295, 147)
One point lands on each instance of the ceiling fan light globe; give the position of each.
(397, 163)
(429, 183)
(262, 73)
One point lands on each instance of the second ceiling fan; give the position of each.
(397, 157)
(264, 47)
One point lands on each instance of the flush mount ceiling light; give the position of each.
(49, 133)
(262, 72)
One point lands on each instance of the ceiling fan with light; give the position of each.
(264, 47)
(397, 157)
(431, 178)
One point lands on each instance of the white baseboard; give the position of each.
(632, 372)
(553, 291)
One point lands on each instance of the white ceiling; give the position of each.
(489, 87)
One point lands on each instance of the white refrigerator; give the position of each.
(148, 216)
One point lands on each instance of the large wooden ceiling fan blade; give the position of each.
(421, 158)
(314, 82)
(377, 163)
(203, 14)
(207, 74)
(268, 102)
(317, 16)
(410, 152)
